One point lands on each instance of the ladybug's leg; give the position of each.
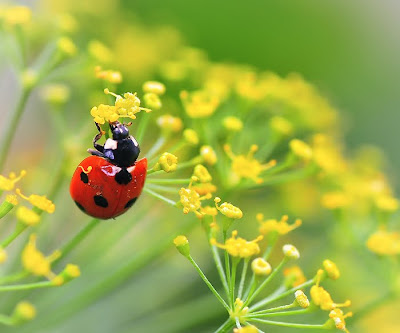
(96, 153)
(98, 136)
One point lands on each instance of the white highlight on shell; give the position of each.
(134, 141)
(111, 144)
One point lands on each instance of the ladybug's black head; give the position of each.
(119, 131)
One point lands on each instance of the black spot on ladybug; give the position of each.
(123, 177)
(84, 177)
(80, 206)
(99, 200)
(130, 203)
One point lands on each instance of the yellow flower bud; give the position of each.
(208, 155)
(281, 125)
(66, 46)
(246, 329)
(27, 216)
(261, 267)
(233, 124)
(302, 299)
(331, 269)
(202, 174)
(182, 245)
(3, 255)
(170, 123)
(56, 94)
(291, 251)
(69, 273)
(228, 209)
(167, 162)
(29, 78)
(191, 136)
(152, 101)
(23, 311)
(301, 149)
(154, 87)
(17, 15)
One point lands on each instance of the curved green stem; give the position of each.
(294, 325)
(27, 286)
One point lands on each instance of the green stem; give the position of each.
(15, 277)
(226, 326)
(277, 308)
(166, 189)
(142, 127)
(220, 269)
(20, 227)
(78, 238)
(294, 325)
(27, 286)
(169, 181)
(6, 320)
(235, 262)
(208, 283)
(159, 196)
(193, 161)
(156, 147)
(11, 129)
(282, 295)
(266, 281)
(243, 277)
(279, 314)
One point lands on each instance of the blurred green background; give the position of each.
(349, 49)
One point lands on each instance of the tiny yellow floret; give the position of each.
(384, 242)
(56, 94)
(170, 123)
(290, 251)
(167, 162)
(39, 201)
(17, 15)
(202, 174)
(7, 184)
(154, 87)
(27, 216)
(228, 209)
(24, 311)
(208, 154)
(3, 255)
(301, 149)
(239, 247)
(302, 299)
(246, 329)
(67, 46)
(34, 261)
(233, 124)
(331, 269)
(182, 245)
(281, 227)
(191, 136)
(261, 267)
(199, 104)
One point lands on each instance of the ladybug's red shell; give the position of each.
(104, 190)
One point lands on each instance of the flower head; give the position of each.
(23, 311)
(191, 136)
(199, 104)
(246, 166)
(69, 273)
(182, 245)
(66, 46)
(153, 101)
(228, 209)
(384, 242)
(56, 94)
(108, 75)
(290, 251)
(301, 299)
(27, 216)
(301, 149)
(7, 184)
(331, 269)
(169, 123)
(17, 15)
(167, 162)
(281, 125)
(208, 154)
(154, 87)
(39, 201)
(281, 227)
(233, 124)
(202, 174)
(239, 247)
(246, 329)
(339, 319)
(261, 267)
(294, 276)
(191, 200)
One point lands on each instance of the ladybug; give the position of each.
(109, 182)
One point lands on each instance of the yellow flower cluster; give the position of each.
(126, 107)
(384, 242)
(199, 104)
(239, 247)
(281, 227)
(108, 75)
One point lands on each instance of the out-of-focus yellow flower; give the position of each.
(16, 15)
(153, 101)
(335, 200)
(301, 149)
(233, 124)
(66, 46)
(56, 94)
(100, 52)
(228, 209)
(154, 87)
(327, 153)
(281, 227)
(34, 261)
(387, 203)
(170, 123)
(199, 104)
(281, 125)
(384, 242)
(39, 201)
(27, 216)
(239, 247)
(7, 184)
(3, 255)
(208, 154)
(331, 269)
(191, 136)
(67, 23)
(69, 273)
(205, 188)
(294, 276)
(246, 166)
(23, 311)
(108, 75)
(29, 78)
(261, 267)
(251, 87)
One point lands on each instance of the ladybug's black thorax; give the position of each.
(122, 153)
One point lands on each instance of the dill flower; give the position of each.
(387, 203)
(152, 101)
(302, 299)
(202, 174)
(56, 94)
(7, 184)
(191, 136)
(27, 216)
(154, 87)
(100, 52)
(199, 104)
(3, 255)
(261, 267)
(182, 245)
(170, 123)
(23, 311)
(208, 154)
(384, 242)
(246, 329)
(191, 200)
(233, 124)
(17, 15)
(66, 46)
(167, 162)
(331, 269)
(338, 317)
(228, 209)
(281, 227)
(281, 125)
(29, 78)
(246, 166)
(294, 276)
(290, 251)
(301, 149)
(69, 273)
(39, 201)
(239, 247)
(108, 75)
(335, 200)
